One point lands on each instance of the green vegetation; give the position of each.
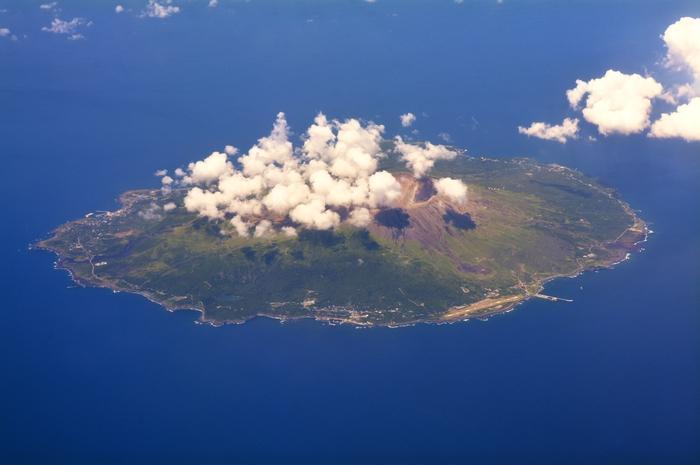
(523, 224)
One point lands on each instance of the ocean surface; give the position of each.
(93, 377)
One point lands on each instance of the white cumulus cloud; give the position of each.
(241, 227)
(453, 189)
(314, 215)
(360, 217)
(161, 10)
(682, 40)
(619, 103)
(384, 189)
(568, 129)
(263, 228)
(421, 158)
(210, 169)
(119, 9)
(616, 102)
(332, 177)
(683, 123)
(407, 119)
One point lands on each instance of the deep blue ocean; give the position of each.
(92, 377)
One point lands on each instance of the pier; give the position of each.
(552, 298)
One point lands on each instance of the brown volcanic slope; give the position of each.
(424, 216)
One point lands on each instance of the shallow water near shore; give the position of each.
(91, 376)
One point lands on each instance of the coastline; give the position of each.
(638, 228)
(482, 309)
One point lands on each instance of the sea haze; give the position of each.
(95, 377)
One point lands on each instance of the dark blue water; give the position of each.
(89, 376)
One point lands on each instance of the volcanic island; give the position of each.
(425, 259)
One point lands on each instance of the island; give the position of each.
(425, 259)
